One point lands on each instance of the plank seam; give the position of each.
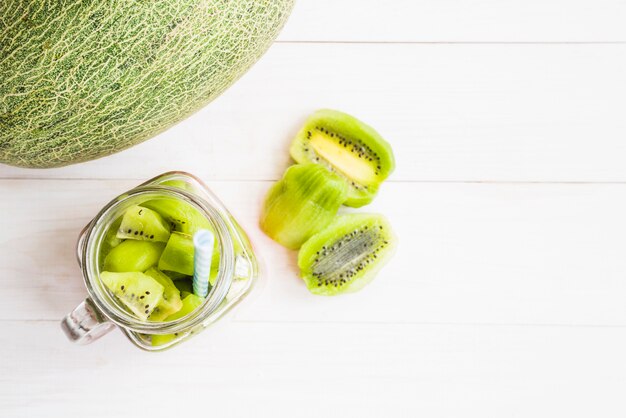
(494, 182)
(286, 42)
(366, 323)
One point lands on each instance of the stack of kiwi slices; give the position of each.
(146, 260)
(340, 161)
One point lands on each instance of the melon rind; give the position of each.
(83, 79)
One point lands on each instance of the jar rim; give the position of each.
(91, 243)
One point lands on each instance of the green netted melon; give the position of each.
(81, 79)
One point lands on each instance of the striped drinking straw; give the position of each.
(203, 241)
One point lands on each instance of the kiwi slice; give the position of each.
(178, 254)
(140, 223)
(346, 255)
(189, 304)
(304, 202)
(133, 255)
(177, 258)
(181, 215)
(349, 147)
(139, 292)
(171, 303)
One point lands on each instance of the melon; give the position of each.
(81, 79)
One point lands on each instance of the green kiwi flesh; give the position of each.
(182, 216)
(140, 223)
(177, 259)
(190, 303)
(133, 255)
(138, 292)
(184, 285)
(302, 203)
(171, 302)
(348, 147)
(346, 255)
(176, 276)
(178, 254)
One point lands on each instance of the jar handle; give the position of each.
(86, 323)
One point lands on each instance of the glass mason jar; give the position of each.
(101, 311)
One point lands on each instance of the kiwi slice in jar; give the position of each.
(143, 224)
(138, 292)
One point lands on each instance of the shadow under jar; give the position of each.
(102, 311)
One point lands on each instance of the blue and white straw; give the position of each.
(203, 241)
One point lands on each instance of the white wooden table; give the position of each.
(507, 297)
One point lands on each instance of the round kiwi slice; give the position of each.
(304, 202)
(349, 147)
(346, 255)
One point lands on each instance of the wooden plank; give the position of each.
(469, 253)
(313, 370)
(457, 21)
(451, 112)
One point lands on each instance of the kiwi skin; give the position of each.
(171, 302)
(356, 246)
(302, 203)
(338, 125)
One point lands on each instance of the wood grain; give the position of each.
(468, 253)
(313, 370)
(457, 21)
(451, 113)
